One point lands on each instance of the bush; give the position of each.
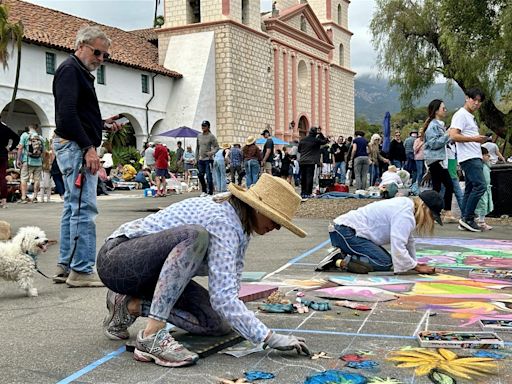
(123, 155)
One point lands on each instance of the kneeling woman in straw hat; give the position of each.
(148, 265)
(361, 233)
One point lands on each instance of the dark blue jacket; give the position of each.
(77, 113)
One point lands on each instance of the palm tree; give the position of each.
(10, 32)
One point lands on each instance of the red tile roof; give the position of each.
(55, 29)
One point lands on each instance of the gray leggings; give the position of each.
(158, 269)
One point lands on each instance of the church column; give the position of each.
(276, 87)
(320, 94)
(313, 109)
(328, 11)
(294, 95)
(327, 102)
(285, 93)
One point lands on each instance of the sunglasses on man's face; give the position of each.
(96, 52)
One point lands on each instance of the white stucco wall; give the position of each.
(122, 92)
(195, 99)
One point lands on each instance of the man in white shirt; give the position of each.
(464, 131)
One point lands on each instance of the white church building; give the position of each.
(216, 60)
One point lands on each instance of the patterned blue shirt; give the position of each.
(225, 256)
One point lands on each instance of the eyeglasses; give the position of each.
(96, 52)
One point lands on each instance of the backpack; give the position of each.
(35, 147)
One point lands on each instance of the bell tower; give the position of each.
(185, 12)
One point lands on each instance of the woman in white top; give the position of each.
(148, 265)
(361, 233)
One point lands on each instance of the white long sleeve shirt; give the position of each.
(225, 257)
(387, 222)
(389, 177)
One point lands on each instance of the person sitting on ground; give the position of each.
(390, 182)
(143, 178)
(148, 265)
(360, 234)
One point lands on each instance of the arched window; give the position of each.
(303, 24)
(194, 11)
(342, 55)
(303, 74)
(339, 14)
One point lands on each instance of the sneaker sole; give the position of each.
(112, 336)
(147, 358)
(84, 284)
(468, 227)
(59, 280)
(108, 319)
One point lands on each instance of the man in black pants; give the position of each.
(309, 149)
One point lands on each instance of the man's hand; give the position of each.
(19, 164)
(481, 139)
(287, 343)
(92, 161)
(115, 126)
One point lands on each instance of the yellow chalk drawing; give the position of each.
(425, 360)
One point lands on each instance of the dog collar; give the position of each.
(34, 257)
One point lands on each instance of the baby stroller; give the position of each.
(326, 178)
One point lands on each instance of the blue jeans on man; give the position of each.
(340, 172)
(219, 173)
(420, 171)
(205, 167)
(360, 249)
(475, 186)
(252, 171)
(76, 225)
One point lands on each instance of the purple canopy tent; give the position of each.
(181, 132)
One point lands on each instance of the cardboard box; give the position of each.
(468, 340)
(494, 325)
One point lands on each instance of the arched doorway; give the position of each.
(303, 127)
(25, 113)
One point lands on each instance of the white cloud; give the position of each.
(136, 14)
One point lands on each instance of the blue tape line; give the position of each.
(307, 253)
(92, 366)
(312, 331)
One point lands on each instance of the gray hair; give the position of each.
(88, 33)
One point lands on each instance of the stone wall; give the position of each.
(342, 102)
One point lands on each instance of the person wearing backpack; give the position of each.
(30, 161)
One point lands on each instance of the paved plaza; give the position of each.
(57, 337)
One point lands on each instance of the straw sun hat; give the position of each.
(274, 198)
(250, 140)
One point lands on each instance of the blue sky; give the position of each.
(136, 14)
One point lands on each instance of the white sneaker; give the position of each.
(204, 194)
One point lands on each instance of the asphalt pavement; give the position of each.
(57, 336)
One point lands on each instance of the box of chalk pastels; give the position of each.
(495, 325)
(470, 340)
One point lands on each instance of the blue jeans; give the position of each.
(252, 171)
(374, 173)
(420, 171)
(360, 248)
(204, 167)
(74, 224)
(457, 191)
(396, 163)
(475, 186)
(410, 165)
(219, 175)
(340, 168)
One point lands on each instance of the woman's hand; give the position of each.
(425, 269)
(287, 343)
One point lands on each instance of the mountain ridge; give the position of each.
(374, 97)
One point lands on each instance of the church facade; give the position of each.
(216, 60)
(244, 71)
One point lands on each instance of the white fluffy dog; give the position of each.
(18, 257)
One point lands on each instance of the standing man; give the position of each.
(309, 150)
(410, 164)
(30, 161)
(179, 157)
(268, 152)
(149, 156)
(161, 169)
(464, 131)
(235, 163)
(78, 133)
(206, 147)
(397, 151)
(339, 150)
